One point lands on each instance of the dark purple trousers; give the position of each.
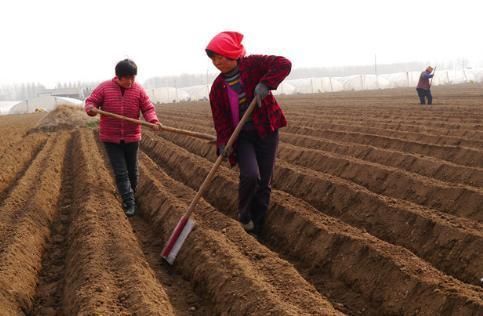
(423, 94)
(256, 159)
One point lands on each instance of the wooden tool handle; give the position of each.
(189, 133)
(124, 118)
(209, 137)
(218, 161)
(434, 72)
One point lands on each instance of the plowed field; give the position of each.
(376, 209)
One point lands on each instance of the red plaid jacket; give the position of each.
(269, 70)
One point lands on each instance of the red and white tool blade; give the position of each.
(177, 238)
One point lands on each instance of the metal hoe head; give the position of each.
(177, 238)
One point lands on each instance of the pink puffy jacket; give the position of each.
(108, 97)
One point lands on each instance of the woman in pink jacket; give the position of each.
(122, 95)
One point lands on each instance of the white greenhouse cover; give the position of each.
(287, 87)
(167, 95)
(5, 106)
(330, 84)
(46, 103)
(197, 93)
(349, 83)
(284, 88)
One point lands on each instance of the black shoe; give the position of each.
(248, 227)
(129, 208)
(246, 222)
(258, 227)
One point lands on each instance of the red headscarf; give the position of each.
(227, 44)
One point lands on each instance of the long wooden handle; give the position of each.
(218, 161)
(211, 138)
(434, 72)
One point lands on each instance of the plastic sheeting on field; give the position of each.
(314, 85)
(167, 95)
(285, 88)
(5, 106)
(361, 82)
(44, 103)
(197, 93)
(330, 84)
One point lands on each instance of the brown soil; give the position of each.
(318, 243)
(377, 214)
(64, 117)
(376, 210)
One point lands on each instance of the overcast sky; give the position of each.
(49, 41)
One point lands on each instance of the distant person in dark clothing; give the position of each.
(424, 86)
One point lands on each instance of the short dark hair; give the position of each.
(210, 53)
(126, 68)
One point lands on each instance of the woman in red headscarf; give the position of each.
(241, 79)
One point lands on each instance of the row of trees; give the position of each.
(29, 90)
(186, 80)
(20, 91)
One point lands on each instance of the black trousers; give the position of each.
(124, 162)
(423, 94)
(256, 159)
